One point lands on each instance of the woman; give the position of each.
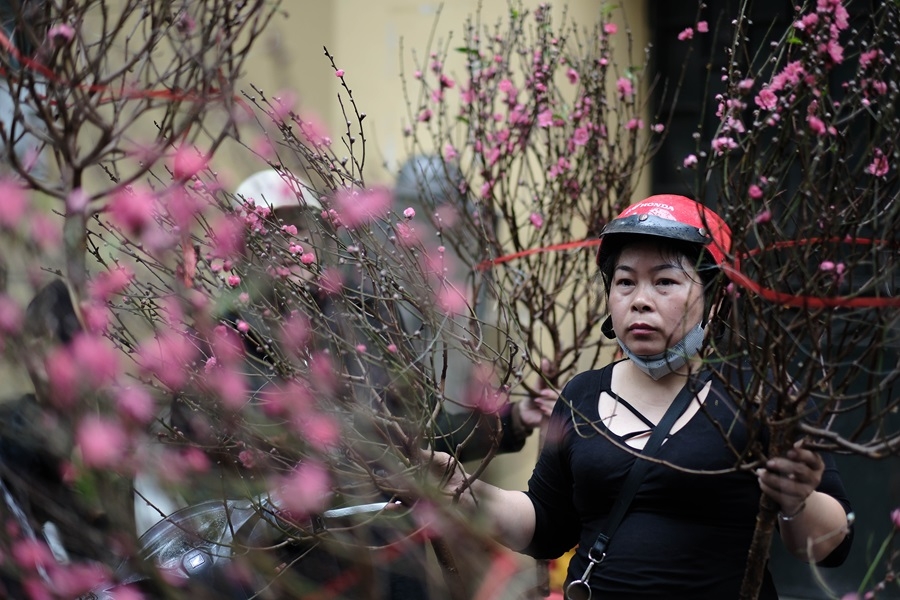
(686, 532)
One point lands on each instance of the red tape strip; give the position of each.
(735, 274)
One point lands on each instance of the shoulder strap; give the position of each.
(639, 468)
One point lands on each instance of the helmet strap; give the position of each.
(674, 358)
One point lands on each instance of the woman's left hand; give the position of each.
(790, 479)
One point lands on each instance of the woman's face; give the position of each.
(655, 298)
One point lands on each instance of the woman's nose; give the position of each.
(640, 301)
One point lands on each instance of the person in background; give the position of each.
(687, 529)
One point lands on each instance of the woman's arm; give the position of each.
(509, 514)
(812, 523)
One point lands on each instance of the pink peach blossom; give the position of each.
(763, 217)
(625, 88)
(102, 441)
(879, 166)
(188, 162)
(356, 207)
(14, 204)
(304, 491)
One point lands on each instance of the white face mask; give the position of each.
(675, 357)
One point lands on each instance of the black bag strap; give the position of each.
(639, 468)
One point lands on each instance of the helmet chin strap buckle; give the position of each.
(607, 328)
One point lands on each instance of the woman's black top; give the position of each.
(686, 535)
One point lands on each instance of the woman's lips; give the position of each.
(641, 329)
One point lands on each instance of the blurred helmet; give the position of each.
(672, 217)
(278, 190)
(429, 180)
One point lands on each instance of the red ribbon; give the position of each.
(734, 273)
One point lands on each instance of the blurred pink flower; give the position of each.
(755, 192)
(450, 152)
(109, 283)
(331, 281)
(409, 212)
(31, 553)
(295, 333)
(537, 219)
(545, 118)
(572, 74)
(97, 360)
(763, 217)
(103, 442)
(14, 204)
(816, 125)
(233, 280)
(76, 579)
(625, 88)
(11, 315)
(357, 207)
(63, 376)
(690, 161)
(319, 429)
(745, 85)
(307, 258)
(44, 231)
(230, 385)
(392, 348)
(702, 27)
(193, 459)
(633, 124)
(167, 357)
(580, 136)
(425, 115)
(304, 491)
(610, 29)
(283, 105)
(132, 209)
(686, 34)
(226, 232)
(188, 162)
(135, 404)
(895, 517)
(451, 300)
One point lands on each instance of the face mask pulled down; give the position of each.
(675, 357)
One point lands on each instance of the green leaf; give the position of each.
(465, 50)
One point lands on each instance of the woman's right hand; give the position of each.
(446, 473)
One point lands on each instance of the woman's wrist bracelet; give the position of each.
(793, 515)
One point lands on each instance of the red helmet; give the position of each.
(673, 217)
